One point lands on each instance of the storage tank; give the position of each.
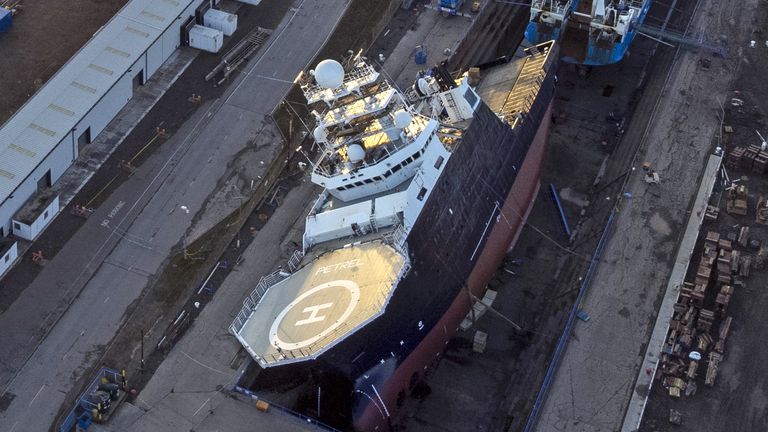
(220, 20)
(206, 39)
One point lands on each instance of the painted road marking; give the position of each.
(37, 394)
(201, 407)
(112, 213)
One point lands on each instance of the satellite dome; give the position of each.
(402, 119)
(329, 74)
(356, 153)
(320, 135)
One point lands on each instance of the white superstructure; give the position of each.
(381, 154)
(378, 143)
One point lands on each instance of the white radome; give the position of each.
(402, 119)
(356, 153)
(329, 74)
(320, 135)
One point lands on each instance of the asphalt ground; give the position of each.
(739, 399)
(136, 265)
(597, 375)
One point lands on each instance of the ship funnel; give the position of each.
(329, 74)
(356, 153)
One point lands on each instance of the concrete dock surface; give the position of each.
(596, 377)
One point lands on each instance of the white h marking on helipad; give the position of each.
(313, 310)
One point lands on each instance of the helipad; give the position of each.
(322, 303)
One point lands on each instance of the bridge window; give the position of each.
(421, 194)
(470, 97)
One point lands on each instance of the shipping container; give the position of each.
(220, 20)
(206, 39)
(6, 17)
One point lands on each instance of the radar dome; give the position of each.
(356, 153)
(402, 119)
(329, 74)
(320, 135)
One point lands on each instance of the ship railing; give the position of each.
(319, 202)
(396, 239)
(552, 6)
(392, 148)
(374, 309)
(252, 301)
(363, 74)
(295, 260)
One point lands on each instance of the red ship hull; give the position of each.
(502, 237)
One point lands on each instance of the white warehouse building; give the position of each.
(45, 136)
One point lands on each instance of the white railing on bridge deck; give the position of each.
(252, 301)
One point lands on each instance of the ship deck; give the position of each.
(319, 305)
(509, 89)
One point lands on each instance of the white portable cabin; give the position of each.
(220, 20)
(9, 252)
(35, 216)
(55, 126)
(206, 39)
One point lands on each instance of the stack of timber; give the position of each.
(700, 324)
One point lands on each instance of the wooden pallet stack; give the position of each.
(723, 300)
(733, 160)
(748, 159)
(736, 200)
(693, 342)
(760, 163)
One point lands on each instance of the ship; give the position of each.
(424, 192)
(590, 32)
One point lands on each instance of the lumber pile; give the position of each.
(736, 200)
(695, 343)
(761, 211)
(713, 365)
(733, 160)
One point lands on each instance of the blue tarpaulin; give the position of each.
(5, 19)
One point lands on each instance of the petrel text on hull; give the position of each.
(590, 32)
(424, 192)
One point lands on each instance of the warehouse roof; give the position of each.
(51, 113)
